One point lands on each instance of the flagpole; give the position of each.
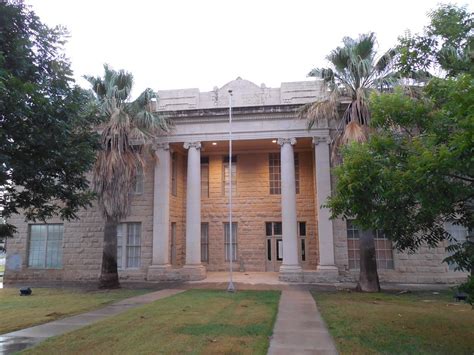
(231, 287)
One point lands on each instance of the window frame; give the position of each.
(274, 173)
(205, 177)
(225, 183)
(139, 181)
(59, 250)
(383, 247)
(124, 246)
(235, 245)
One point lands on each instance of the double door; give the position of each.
(273, 246)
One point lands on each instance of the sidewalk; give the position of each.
(25, 338)
(299, 328)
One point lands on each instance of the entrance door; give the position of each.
(273, 246)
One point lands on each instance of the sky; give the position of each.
(177, 44)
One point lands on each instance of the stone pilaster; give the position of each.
(323, 191)
(193, 269)
(290, 269)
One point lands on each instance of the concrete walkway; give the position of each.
(25, 338)
(299, 328)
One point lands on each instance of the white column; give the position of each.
(323, 191)
(288, 206)
(193, 205)
(160, 263)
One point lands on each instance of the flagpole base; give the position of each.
(231, 287)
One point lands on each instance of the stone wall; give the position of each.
(252, 207)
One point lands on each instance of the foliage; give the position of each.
(128, 127)
(447, 43)
(354, 72)
(417, 172)
(468, 287)
(46, 145)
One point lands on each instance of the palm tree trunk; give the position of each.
(109, 275)
(369, 278)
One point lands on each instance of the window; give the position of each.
(459, 233)
(274, 231)
(205, 177)
(45, 247)
(275, 173)
(225, 180)
(227, 241)
(383, 248)
(128, 245)
(137, 187)
(174, 174)
(173, 243)
(205, 242)
(302, 240)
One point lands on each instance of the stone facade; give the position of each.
(264, 122)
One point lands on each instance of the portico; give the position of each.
(256, 207)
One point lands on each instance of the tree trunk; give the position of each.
(109, 275)
(369, 278)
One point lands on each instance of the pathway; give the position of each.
(22, 339)
(299, 328)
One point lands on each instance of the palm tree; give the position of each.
(354, 73)
(129, 127)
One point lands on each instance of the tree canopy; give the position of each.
(416, 171)
(46, 141)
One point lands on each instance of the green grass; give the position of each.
(417, 323)
(196, 322)
(48, 304)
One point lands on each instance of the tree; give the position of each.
(128, 129)
(447, 44)
(354, 73)
(46, 145)
(416, 171)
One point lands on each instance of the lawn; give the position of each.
(48, 304)
(414, 323)
(196, 321)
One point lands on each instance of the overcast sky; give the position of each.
(201, 44)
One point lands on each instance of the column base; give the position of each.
(193, 272)
(290, 273)
(324, 273)
(163, 272)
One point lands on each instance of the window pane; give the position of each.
(174, 174)
(204, 242)
(121, 228)
(54, 246)
(459, 233)
(303, 250)
(383, 248)
(268, 228)
(204, 180)
(302, 229)
(133, 245)
(227, 241)
(297, 173)
(138, 182)
(37, 250)
(277, 228)
(225, 181)
(45, 246)
(274, 165)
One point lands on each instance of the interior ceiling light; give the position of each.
(214, 143)
(274, 141)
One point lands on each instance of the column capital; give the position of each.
(196, 145)
(162, 146)
(317, 140)
(283, 141)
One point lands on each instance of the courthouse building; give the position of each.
(178, 226)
